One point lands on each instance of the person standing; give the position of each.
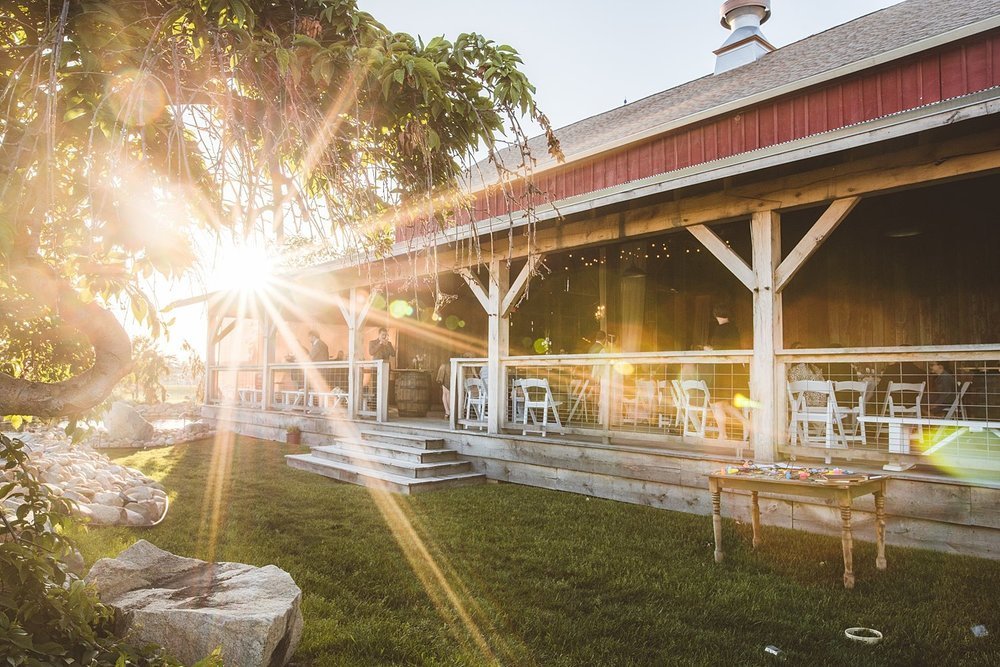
(724, 335)
(444, 379)
(382, 347)
(318, 350)
(599, 344)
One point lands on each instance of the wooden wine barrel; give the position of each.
(413, 393)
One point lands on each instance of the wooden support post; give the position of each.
(499, 344)
(497, 298)
(355, 314)
(210, 343)
(267, 358)
(766, 374)
(350, 316)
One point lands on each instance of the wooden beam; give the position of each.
(345, 308)
(498, 344)
(477, 287)
(726, 255)
(519, 285)
(362, 314)
(836, 213)
(767, 375)
(228, 329)
(924, 164)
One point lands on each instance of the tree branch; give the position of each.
(112, 349)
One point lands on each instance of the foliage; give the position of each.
(149, 365)
(552, 578)
(193, 367)
(131, 131)
(47, 614)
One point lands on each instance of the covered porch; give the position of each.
(895, 316)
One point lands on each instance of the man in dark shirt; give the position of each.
(381, 347)
(942, 390)
(724, 335)
(318, 350)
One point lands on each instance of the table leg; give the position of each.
(848, 542)
(717, 519)
(755, 519)
(880, 530)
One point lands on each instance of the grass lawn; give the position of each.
(523, 576)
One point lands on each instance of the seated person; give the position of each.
(806, 371)
(942, 390)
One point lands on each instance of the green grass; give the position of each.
(549, 578)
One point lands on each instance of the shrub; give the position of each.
(48, 615)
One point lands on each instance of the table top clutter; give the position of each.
(837, 484)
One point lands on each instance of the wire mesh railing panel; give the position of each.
(236, 386)
(945, 409)
(469, 398)
(699, 395)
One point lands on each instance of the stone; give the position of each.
(190, 607)
(108, 498)
(102, 514)
(124, 422)
(147, 508)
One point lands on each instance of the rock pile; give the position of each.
(161, 436)
(103, 492)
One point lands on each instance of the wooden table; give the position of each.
(843, 493)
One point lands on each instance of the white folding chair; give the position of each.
(640, 407)
(958, 405)
(665, 399)
(897, 405)
(538, 396)
(678, 397)
(696, 400)
(579, 389)
(805, 416)
(475, 400)
(852, 410)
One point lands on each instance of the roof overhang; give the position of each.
(938, 114)
(918, 46)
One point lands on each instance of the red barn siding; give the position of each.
(949, 71)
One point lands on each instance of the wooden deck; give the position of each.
(926, 509)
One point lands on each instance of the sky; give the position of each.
(589, 56)
(584, 57)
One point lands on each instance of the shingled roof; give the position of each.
(853, 42)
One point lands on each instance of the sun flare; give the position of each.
(245, 268)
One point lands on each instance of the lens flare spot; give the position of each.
(741, 401)
(541, 345)
(624, 368)
(451, 322)
(400, 308)
(137, 99)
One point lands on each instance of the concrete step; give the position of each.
(405, 439)
(400, 467)
(375, 479)
(400, 452)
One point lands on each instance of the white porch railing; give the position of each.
(612, 394)
(895, 404)
(319, 388)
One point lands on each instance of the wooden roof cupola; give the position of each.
(746, 43)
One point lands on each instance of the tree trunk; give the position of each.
(112, 350)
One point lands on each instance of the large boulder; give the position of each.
(125, 423)
(191, 607)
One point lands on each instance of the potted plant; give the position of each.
(293, 435)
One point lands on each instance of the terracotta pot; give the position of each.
(293, 437)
